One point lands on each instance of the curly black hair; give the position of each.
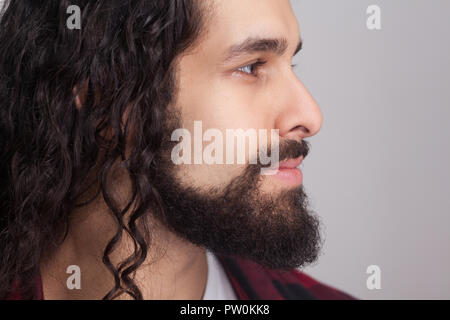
(123, 62)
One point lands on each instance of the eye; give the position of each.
(252, 69)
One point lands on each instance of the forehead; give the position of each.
(232, 21)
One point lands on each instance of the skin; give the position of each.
(214, 91)
(222, 96)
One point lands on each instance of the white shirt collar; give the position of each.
(218, 286)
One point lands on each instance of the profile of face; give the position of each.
(239, 76)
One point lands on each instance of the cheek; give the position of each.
(223, 105)
(218, 104)
(205, 176)
(216, 110)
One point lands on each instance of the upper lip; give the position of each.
(291, 163)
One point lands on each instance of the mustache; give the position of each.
(289, 149)
(292, 149)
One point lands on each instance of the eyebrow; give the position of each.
(253, 45)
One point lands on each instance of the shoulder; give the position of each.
(254, 282)
(319, 289)
(17, 292)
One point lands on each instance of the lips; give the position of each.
(288, 172)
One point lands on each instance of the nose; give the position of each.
(299, 115)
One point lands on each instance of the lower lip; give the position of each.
(292, 176)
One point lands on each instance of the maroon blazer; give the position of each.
(251, 281)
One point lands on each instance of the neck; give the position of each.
(173, 269)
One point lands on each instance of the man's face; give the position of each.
(213, 89)
(239, 76)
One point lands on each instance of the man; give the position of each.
(88, 123)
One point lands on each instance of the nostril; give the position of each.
(301, 128)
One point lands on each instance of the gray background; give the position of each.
(378, 172)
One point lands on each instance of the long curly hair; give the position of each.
(122, 61)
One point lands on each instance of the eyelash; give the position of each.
(255, 66)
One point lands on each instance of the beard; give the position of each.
(277, 231)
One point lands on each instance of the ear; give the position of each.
(80, 94)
